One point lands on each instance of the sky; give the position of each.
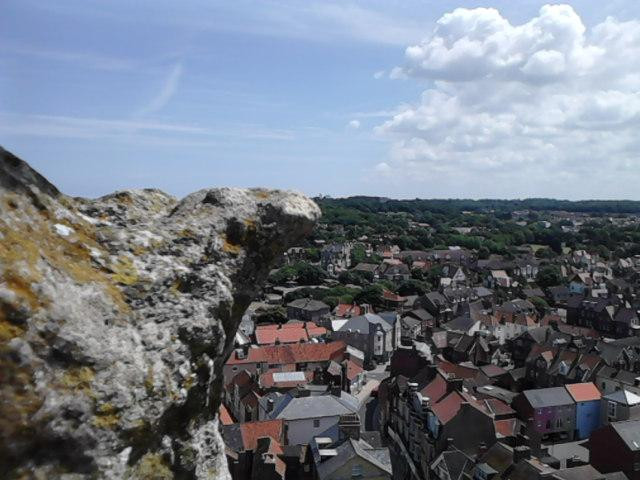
(404, 99)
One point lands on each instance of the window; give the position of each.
(356, 470)
(316, 423)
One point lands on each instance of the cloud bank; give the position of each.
(546, 101)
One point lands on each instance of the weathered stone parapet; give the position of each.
(116, 315)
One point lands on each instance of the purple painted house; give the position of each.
(548, 412)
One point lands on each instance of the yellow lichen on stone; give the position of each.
(229, 247)
(21, 287)
(20, 399)
(124, 197)
(188, 383)
(124, 271)
(261, 194)
(139, 250)
(78, 378)
(186, 233)
(151, 466)
(149, 381)
(106, 417)
(8, 330)
(25, 244)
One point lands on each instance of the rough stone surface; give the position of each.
(116, 315)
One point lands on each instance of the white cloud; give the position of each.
(545, 101)
(137, 131)
(166, 92)
(354, 124)
(379, 74)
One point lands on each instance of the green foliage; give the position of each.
(371, 294)
(313, 254)
(541, 304)
(433, 276)
(355, 277)
(358, 254)
(412, 287)
(330, 296)
(302, 272)
(548, 276)
(276, 314)
(386, 221)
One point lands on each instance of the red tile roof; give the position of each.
(269, 335)
(347, 309)
(436, 389)
(583, 392)
(267, 381)
(492, 370)
(460, 371)
(291, 354)
(293, 332)
(447, 408)
(225, 416)
(252, 431)
(506, 428)
(314, 330)
(353, 369)
(498, 407)
(392, 297)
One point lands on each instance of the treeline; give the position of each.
(448, 206)
(493, 230)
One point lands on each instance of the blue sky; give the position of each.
(324, 97)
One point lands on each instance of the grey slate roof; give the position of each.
(483, 292)
(354, 448)
(437, 299)
(290, 408)
(308, 304)
(457, 463)
(624, 397)
(364, 323)
(548, 397)
(390, 317)
(629, 431)
(410, 322)
(366, 267)
(459, 324)
(420, 313)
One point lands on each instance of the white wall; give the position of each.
(302, 431)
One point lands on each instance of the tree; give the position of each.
(371, 295)
(549, 276)
(358, 254)
(355, 277)
(270, 315)
(412, 287)
(433, 276)
(541, 305)
(308, 274)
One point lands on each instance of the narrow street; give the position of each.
(369, 417)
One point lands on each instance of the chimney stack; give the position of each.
(521, 453)
(349, 425)
(454, 383)
(482, 449)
